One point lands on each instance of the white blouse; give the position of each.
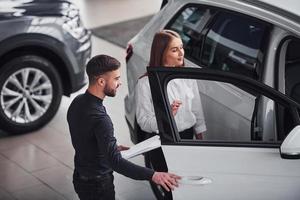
(189, 114)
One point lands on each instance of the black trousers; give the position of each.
(94, 188)
(155, 159)
(187, 134)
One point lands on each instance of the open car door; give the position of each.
(230, 162)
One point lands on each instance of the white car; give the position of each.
(251, 168)
(239, 156)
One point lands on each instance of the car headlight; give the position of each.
(72, 22)
(74, 27)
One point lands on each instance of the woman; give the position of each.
(167, 50)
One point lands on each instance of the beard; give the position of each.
(109, 91)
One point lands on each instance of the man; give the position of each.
(92, 133)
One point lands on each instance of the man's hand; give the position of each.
(166, 180)
(174, 106)
(122, 148)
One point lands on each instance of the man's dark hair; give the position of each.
(99, 65)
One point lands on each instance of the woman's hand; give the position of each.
(175, 106)
(199, 136)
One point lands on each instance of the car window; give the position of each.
(189, 23)
(222, 40)
(221, 112)
(291, 80)
(235, 43)
(292, 70)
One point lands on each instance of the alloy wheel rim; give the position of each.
(26, 95)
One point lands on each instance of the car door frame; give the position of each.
(160, 76)
(195, 175)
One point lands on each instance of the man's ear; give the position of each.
(101, 81)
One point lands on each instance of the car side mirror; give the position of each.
(290, 147)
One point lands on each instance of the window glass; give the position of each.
(219, 112)
(292, 70)
(291, 80)
(221, 40)
(189, 23)
(234, 43)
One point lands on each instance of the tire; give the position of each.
(159, 192)
(30, 93)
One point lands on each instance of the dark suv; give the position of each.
(43, 51)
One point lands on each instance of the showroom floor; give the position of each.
(39, 165)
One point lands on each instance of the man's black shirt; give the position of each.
(93, 139)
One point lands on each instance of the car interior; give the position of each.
(292, 81)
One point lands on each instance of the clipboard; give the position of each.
(142, 147)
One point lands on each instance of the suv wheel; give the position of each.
(30, 93)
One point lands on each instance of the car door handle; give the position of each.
(195, 180)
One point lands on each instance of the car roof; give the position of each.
(289, 9)
(289, 6)
(281, 12)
